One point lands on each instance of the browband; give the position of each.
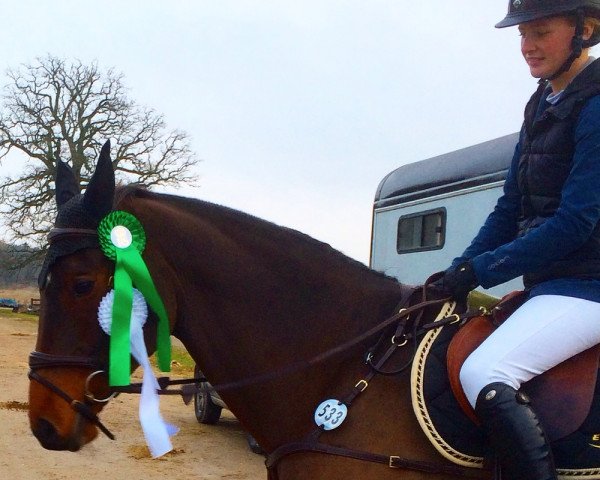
(62, 232)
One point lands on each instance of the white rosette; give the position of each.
(156, 430)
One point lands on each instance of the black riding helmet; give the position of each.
(522, 11)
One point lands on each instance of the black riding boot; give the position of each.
(515, 433)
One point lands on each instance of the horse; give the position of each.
(276, 318)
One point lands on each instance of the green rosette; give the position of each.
(123, 219)
(122, 239)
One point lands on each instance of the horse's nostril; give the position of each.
(47, 435)
(44, 429)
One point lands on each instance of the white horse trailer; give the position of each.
(426, 213)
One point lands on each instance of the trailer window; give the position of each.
(421, 231)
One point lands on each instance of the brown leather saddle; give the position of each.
(562, 397)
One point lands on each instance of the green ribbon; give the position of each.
(122, 239)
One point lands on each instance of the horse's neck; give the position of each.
(260, 275)
(248, 306)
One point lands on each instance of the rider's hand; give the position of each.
(458, 281)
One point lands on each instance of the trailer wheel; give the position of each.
(207, 412)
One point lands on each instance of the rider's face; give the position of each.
(546, 44)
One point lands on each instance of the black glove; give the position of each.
(458, 281)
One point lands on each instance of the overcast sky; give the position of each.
(297, 108)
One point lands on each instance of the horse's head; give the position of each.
(66, 390)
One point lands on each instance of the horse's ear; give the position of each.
(100, 192)
(66, 183)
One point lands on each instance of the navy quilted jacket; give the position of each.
(554, 243)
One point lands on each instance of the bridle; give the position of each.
(403, 334)
(39, 360)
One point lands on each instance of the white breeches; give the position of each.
(543, 332)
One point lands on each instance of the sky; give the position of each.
(297, 109)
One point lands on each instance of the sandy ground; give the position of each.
(200, 451)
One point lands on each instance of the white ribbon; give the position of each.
(156, 430)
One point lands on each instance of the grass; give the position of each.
(181, 362)
(7, 313)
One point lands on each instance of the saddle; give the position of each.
(566, 398)
(562, 397)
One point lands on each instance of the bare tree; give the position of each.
(54, 109)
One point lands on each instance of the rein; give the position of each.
(55, 361)
(303, 364)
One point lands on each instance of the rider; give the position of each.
(546, 227)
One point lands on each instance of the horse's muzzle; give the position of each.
(50, 439)
(47, 432)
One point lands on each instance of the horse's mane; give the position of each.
(224, 214)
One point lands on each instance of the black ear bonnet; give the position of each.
(79, 211)
(72, 214)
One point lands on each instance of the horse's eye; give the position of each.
(83, 286)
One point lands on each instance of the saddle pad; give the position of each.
(442, 420)
(457, 438)
(561, 397)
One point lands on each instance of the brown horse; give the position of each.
(263, 310)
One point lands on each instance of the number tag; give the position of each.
(330, 414)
